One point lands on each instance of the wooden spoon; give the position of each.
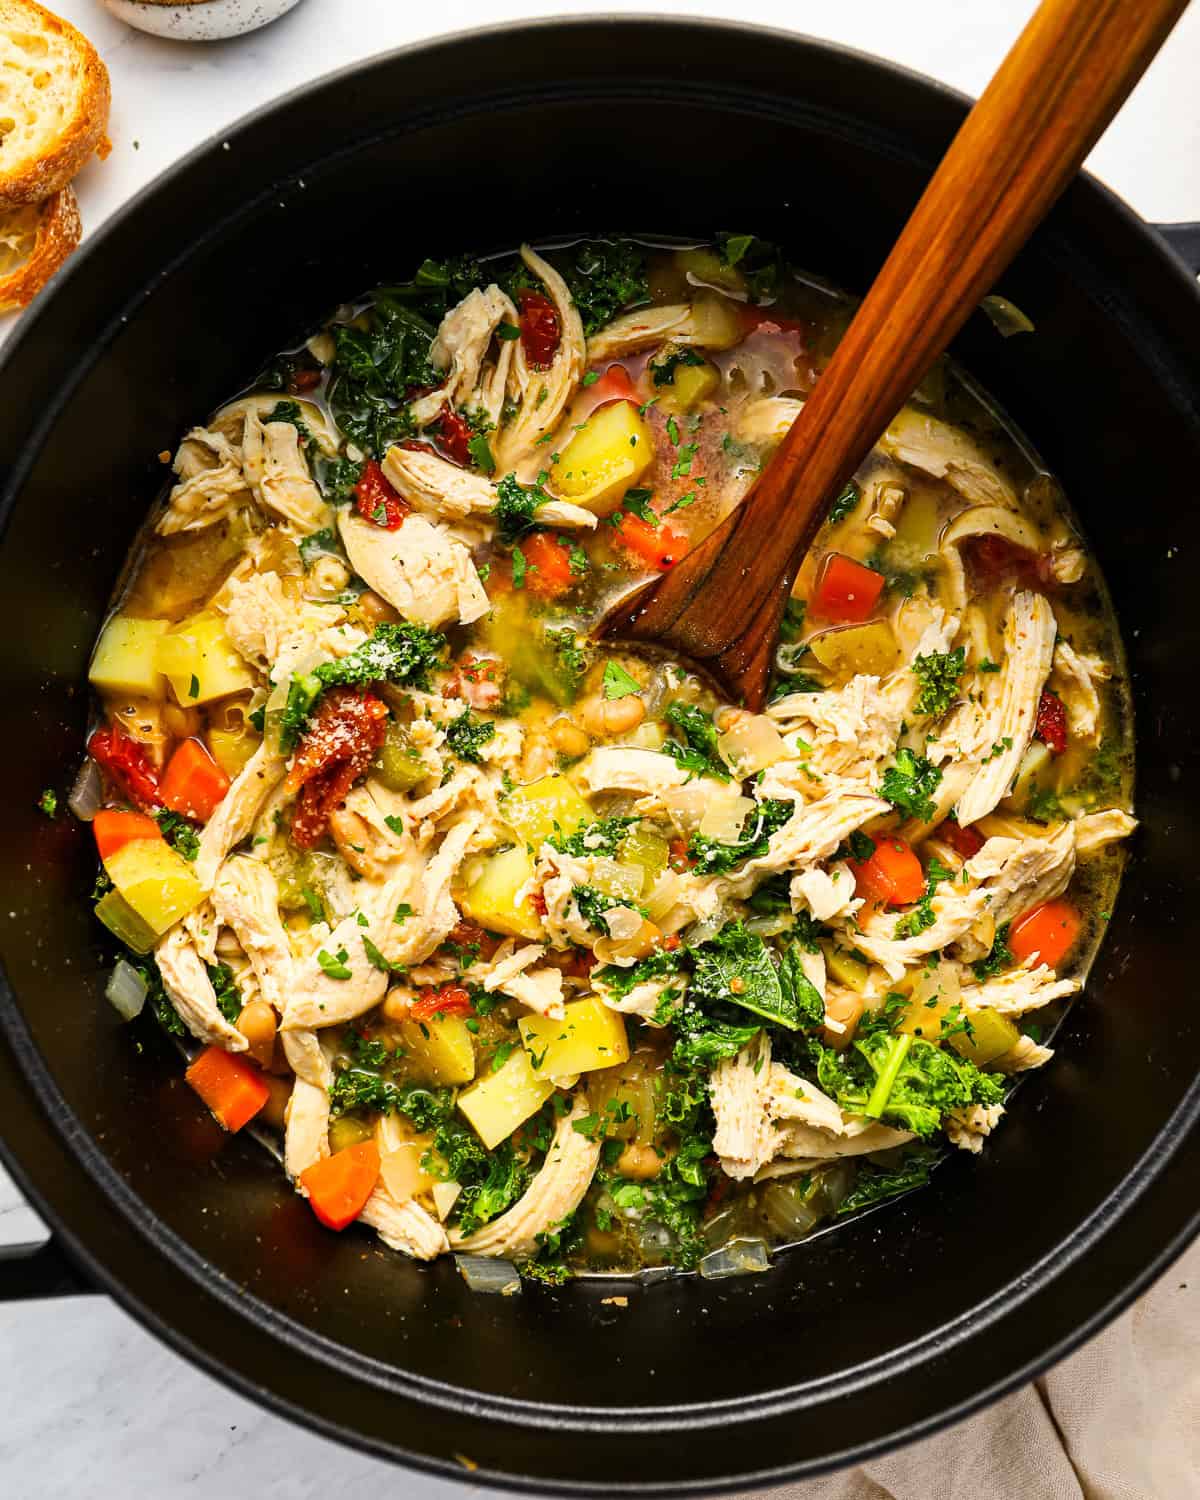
(1068, 74)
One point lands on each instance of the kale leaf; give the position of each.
(698, 750)
(229, 997)
(516, 507)
(736, 968)
(483, 1200)
(606, 277)
(711, 857)
(874, 1182)
(999, 958)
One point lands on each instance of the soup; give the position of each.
(530, 949)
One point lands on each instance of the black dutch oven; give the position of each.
(864, 1337)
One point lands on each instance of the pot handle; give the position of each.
(1184, 239)
(44, 1270)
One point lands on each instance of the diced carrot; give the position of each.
(658, 547)
(114, 829)
(1049, 930)
(964, 841)
(194, 784)
(892, 876)
(339, 1186)
(233, 1088)
(548, 565)
(846, 591)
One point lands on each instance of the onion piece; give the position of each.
(486, 1274)
(1006, 316)
(741, 1257)
(87, 795)
(125, 990)
(750, 744)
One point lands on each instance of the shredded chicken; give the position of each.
(967, 1127)
(190, 990)
(925, 442)
(406, 1227)
(420, 569)
(444, 491)
(264, 624)
(277, 473)
(1074, 679)
(211, 484)
(460, 348)
(235, 814)
(246, 898)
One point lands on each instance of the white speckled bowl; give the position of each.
(198, 20)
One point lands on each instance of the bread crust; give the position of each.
(31, 181)
(58, 232)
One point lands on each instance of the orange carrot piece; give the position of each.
(892, 876)
(194, 784)
(234, 1089)
(339, 1186)
(1049, 930)
(114, 829)
(658, 547)
(549, 565)
(846, 591)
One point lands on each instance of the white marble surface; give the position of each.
(93, 1408)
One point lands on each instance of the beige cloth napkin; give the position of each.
(1119, 1420)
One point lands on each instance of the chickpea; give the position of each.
(182, 723)
(274, 1110)
(639, 1162)
(726, 719)
(396, 1003)
(329, 575)
(568, 739)
(374, 610)
(603, 717)
(847, 1007)
(257, 1025)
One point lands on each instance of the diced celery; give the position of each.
(397, 763)
(643, 847)
(124, 923)
(991, 1035)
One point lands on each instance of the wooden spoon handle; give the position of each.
(1061, 84)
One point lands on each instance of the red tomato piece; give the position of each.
(194, 784)
(303, 380)
(454, 436)
(473, 940)
(964, 841)
(892, 876)
(659, 547)
(1051, 727)
(1049, 930)
(445, 1000)
(127, 764)
(377, 501)
(548, 565)
(846, 591)
(541, 330)
(114, 829)
(339, 1186)
(346, 731)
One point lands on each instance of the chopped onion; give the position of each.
(125, 990)
(737, 1258)
(445, 1196)
(87, 794)
(483, 1273)
(787, 1209)
(724, 816)
(751, 744)
(707, 927)
(1007, 316)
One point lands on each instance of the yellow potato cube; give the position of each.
(125, 658)
(991, 1036)
(608, 456)
(502, 1100)
(232, 748)
(199, 662)
(440, 1048)
(549, 805)
(853, 649)
(690, 385)
(155, 881)
(589, 1036)
(493, 898)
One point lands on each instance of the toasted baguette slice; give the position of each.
(54, 99)
(34, 242)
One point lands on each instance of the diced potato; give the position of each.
(125, 657)
(917, 529)
(402, 1173)
(608, 456)
(689, 385)
(158, 883)
(717, 320)
(990, 1037)
(541, 808)
(589, 1036)
(197, 655)
(852, 649)
(502, 1100)
(492, 899)
(124, 923)
(440, 1048)
(706, 268)
(844, 968)
(232, 748)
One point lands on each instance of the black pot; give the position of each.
(866, 1336)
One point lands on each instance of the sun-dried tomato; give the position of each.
(454, 436)
(127, 764)
(346, 731)
(303, 380)
(1051, 726)
(472, 941)
(964, 841)
(377, 501)
(679, 858)
(445, 1000)
(541, 330)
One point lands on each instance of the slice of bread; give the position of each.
(34, 242)
(54, 98)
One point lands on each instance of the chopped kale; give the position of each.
(484, 1200)
(229, 997)
(845, 504)
(713, 858)
(698, 750)
(921, 918)
(617, 682)
(999, 958)
(736, 968)
(516, 507)
(605, 277)
(662, 371)
(620, 982)
(591, 839)
(911, 1082)
(875, 1182)
(592, 904)
(319, 544)
(180, 833)
(467, 736)
(48, 802)
(909, 784)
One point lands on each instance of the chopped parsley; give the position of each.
(334, 965)
(939, 672)
(467, 736)
(617, 682)
(909, 785)
(180, 833)
(48, 802)
(698, 750)
(228, 996)
(845, 503)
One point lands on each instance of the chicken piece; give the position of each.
(460, 348)
(982, 520)
(1095, 831)
(809, 836)
(1022, 1056)
(995, 722)
(766, 421)
(1038, 870)
(321, 998)
(307, 1058)
(1073, 678)
(539, 989)
(1019, 991)
(443, 491)
(190, 990)
(825, 893)
(543, 394)
(211, 484)
(967, 1127)
(803, 1146)
(887, 501)
(643, 999)
(553, 1195)
(204, 929)
(305, 1130)
(246, 898)
(237, 811)
(277, 472)
(264, 624)
(927, 443)
(230, 421)
(555, 878)
(754, 1099)
(626, 768)
(688, 324)
(420, 569)
(365, 838)
(406, 1227)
